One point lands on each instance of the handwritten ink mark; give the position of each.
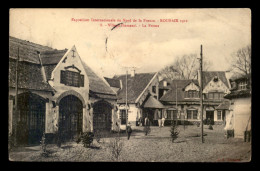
(111, 30)
(106, 43)
(116, 26)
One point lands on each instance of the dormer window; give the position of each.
(192, 94)
(165, 83)
(154, 89)
(71, 78)
(215, 95)
(215, 79)
(242, 85)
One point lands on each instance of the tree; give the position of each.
(174, 130)
(184, 67)
(241, 61)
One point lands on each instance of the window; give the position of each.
(195, 114)
(242, 85)
(192, 114)
(219, 115)
(72, 78)
(215, 95)
(123, 117)
(154, 89)
(210, 95)
(221, 95)
(164, 83)
(192, 94)
(189, 113)
(172, 114)
(189, 94)
(169, 114)
(175, 112)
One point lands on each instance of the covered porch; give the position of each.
(153, 109)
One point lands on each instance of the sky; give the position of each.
(111, 52)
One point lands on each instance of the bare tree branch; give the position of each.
(241, 61)
(184, 67)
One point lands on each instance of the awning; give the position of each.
(224, 106)
(153, 103)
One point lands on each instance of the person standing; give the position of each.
(163, 118)
(146, 121)
(159, 118)
(146, 125)
(128, 130)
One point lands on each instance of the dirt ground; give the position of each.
(155, 147)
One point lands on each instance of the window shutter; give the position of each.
(62, 77)
(81, 81)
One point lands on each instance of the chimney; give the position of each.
(132, 72)
(121, 84)
(42, 68)
(165, 83)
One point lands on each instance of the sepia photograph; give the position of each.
(129, 85)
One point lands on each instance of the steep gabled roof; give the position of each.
(161, 83)
(209, 75)
(113, 82)
(52, 57)
(96, 84)
(135, 86)
(27, 50)
(170, 95)
(151, 102)
(29, 68)
(29, 74)
(238, 94)
(224, 105)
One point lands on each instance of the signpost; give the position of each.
(201, 94)
(126, 108)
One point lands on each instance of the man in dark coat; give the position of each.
(128, 130)
(147, 125)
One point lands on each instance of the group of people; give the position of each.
(147, 123)
(161, 118)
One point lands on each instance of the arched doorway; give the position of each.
(70, 117)
(102, 115)
(31, 118)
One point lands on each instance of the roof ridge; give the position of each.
(184, 79)
(102, 79)
(214, 71)
(136, 74)
(28, 42)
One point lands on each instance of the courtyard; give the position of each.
(155, 147)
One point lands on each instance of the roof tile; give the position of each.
(135, 86)
(170, 96)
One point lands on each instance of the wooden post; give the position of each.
(126, 103)
(201, 94)
(176, 104)
(15, 116)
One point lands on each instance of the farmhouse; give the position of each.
(56, 90)
(142, 97)
(182, 97)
